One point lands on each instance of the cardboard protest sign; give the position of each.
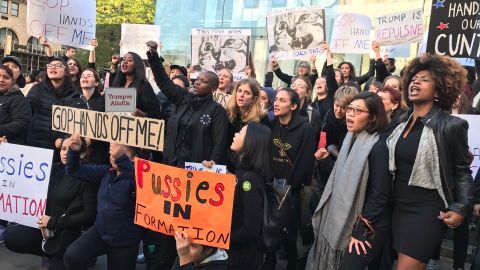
(200, 167)
(400, 27)
(120, 99)
(296, 33)
(172, 199)
(351, 33)
(216, 49)
(24, 178)
(473, 139)
(140, 132)
(66, 22)
(455, 28)
(221, 98)
(135, 38)
(469, 62)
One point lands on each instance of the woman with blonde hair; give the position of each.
(244, 107)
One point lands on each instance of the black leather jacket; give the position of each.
(451, 135)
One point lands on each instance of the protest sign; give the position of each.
(216, 49)
(296, 33)
(135, 38)
(393, 51)
(66, 22)
(400, 27)
(455, 28)
(351, 33)
(473, 139)
(110, 127)
(120, 99)
(221, 98)
(24, 178)
(469, 62)
(172, 199)
(200, 167)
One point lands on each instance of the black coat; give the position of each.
(247, 219)
(41, 97)
(15, 116)
(451, 136)
(205, 119)
(288, 78)
(97, 151)
(295, 144)
(71, 203)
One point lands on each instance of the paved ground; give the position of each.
(13, 261)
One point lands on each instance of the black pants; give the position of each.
(352, 261)
(159, 249)
(91, 245)
(460, 245)
(28, 240)
(289, 241)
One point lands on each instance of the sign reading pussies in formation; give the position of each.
(296, 33)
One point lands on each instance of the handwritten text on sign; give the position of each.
(455, 28)
(400, 27)
(351, 33)
(129, 130)
(68, 22)
(24, 178)
(221, 98)
(171, 199)
(120, 99)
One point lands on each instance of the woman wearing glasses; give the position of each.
(428, 156)
(56, 89)
(357, 194)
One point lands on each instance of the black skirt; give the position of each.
(417, 231)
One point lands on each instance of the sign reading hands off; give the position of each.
(351, 33)
(24, 178)
(68, 22)
(171, 199)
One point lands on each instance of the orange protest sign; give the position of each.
(171, 199)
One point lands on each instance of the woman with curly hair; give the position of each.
(428, 158)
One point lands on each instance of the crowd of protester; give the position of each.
(377, 166)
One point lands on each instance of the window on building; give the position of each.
(279, 3)
(4, 6)
(4, 32)
(14, 10)
(34, 45)
(250, 3)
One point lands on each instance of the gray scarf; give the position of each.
(341, 202)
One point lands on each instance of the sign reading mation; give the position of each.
(124, 129)
(172, 199)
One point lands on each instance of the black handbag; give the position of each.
(276, 214)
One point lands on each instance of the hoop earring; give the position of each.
(436, 99)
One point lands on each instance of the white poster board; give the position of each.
(351, 33)
(65, 22)
(120, 99)
(136, 36)
(400, 27)
(296, 33)
(216, 49)
(200, 167)
(473, 139)
(24, 178)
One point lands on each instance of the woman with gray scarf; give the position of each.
(428, 157)
(352, 220)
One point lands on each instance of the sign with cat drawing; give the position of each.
(216, 49)
(296, 33)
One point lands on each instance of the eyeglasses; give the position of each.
(55, 66)
(356, 111)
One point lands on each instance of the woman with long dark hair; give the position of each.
(132, 74)
(252, 144)
(428, 156)
(293, 145)
(357, 194)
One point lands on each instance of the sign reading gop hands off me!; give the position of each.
(67, 22)
(171, 199)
